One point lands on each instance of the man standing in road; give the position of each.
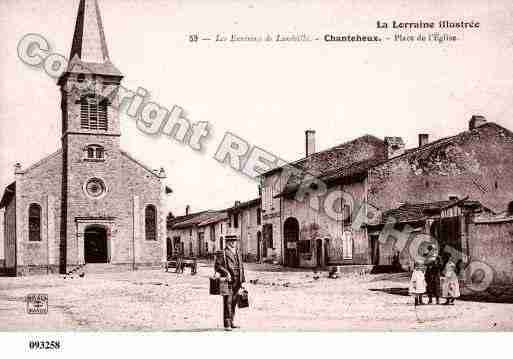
(229, 265)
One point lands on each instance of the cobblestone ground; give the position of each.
(279, 300)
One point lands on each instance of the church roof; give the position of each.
(8, 195)
(89, 51)
(153, 172)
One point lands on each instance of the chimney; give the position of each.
(423, 139)
(237, 204)
(476, 121)
(187, 210)
(162, 172)
(310, 142)
(394, 146)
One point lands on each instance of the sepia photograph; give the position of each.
(188, 167)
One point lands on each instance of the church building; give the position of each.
(89, 202)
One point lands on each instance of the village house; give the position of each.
(198, 234)
(375, 176)
(475, 236)
(245, 220)
(201, 234)
(90, 201)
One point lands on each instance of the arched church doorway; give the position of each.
(95, 245)
(291, 236)
(169, 248)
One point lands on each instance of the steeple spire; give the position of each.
(89, 47)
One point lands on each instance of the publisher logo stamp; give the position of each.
(37, 304)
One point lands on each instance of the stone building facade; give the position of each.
(320, 209)
(245, 221)
(90, 201)
(302, 231)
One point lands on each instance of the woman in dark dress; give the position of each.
(433, 272)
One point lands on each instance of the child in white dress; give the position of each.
(417, 283)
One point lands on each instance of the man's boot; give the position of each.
(227, 325)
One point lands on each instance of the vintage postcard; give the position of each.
(255, 166)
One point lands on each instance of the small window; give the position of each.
(259, 216)
(95, 152)
(496, 185)
(236, 220)
(150, 218)
(346, 214)
(34, 222)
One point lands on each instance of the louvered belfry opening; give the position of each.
(93, 113)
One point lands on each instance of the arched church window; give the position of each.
(150, 222)
(34, 222)
(93, 113)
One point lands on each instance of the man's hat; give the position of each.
(230, 238)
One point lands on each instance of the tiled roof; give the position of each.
(175, 220)
(9, 193)
(415, 154)
(193, 220)
(427, 151)
(214, 218)
(355, 169)
(336, 157)
(242, 205)
(409, 212)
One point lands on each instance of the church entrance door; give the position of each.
(95, 243)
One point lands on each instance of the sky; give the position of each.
(268, 94)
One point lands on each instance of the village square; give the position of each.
(342, 238)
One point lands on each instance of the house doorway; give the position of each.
(319, 252)
(169, 248)
(291, 237)
(326, 251)
(259, 246)
(95, 244)
(374, 241)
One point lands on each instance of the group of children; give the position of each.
(450, 288)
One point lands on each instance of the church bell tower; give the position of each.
(90, 133)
